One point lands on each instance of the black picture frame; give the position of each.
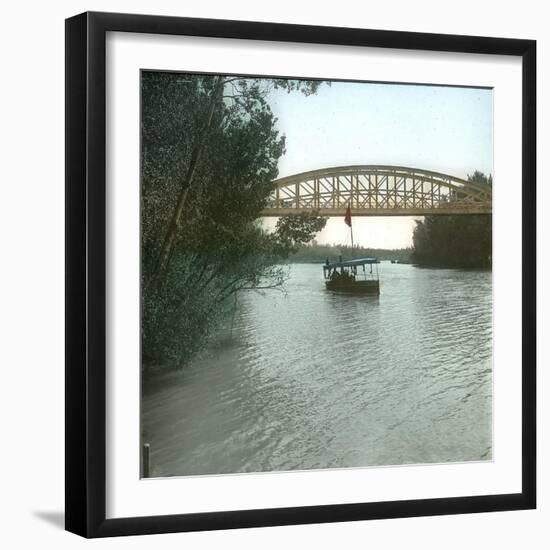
(86, 274)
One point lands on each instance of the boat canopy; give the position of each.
(351, 263)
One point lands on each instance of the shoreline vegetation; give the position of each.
(210, 153)
(455, 241)
(315, 253)
(461, 242)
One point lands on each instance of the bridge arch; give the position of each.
(377, 190)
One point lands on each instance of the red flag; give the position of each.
(347, 219)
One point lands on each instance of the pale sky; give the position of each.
(446, 129)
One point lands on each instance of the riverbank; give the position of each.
(482, 266)
(316, 253)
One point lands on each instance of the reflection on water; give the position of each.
(314, 379)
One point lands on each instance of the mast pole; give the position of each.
(351, 229)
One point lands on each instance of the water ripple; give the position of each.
(314, 379)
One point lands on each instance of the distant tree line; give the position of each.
(462, 241)
(210, 150)
(318, 253)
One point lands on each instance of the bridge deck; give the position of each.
(363, 212)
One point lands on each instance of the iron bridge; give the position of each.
(377, 190)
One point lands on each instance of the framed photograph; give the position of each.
(300, 274)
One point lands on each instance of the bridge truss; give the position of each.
(378, 190)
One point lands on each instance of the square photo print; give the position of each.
(316, 274)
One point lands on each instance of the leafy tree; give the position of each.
(225, 101)
(210, 150)
(455, 240)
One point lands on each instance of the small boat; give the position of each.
(356, 276)
(346, 276)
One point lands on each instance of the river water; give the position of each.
(313, 379)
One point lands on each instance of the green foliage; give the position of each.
(455, 241)
(210, 142)
(318, 253)
(295, 230)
